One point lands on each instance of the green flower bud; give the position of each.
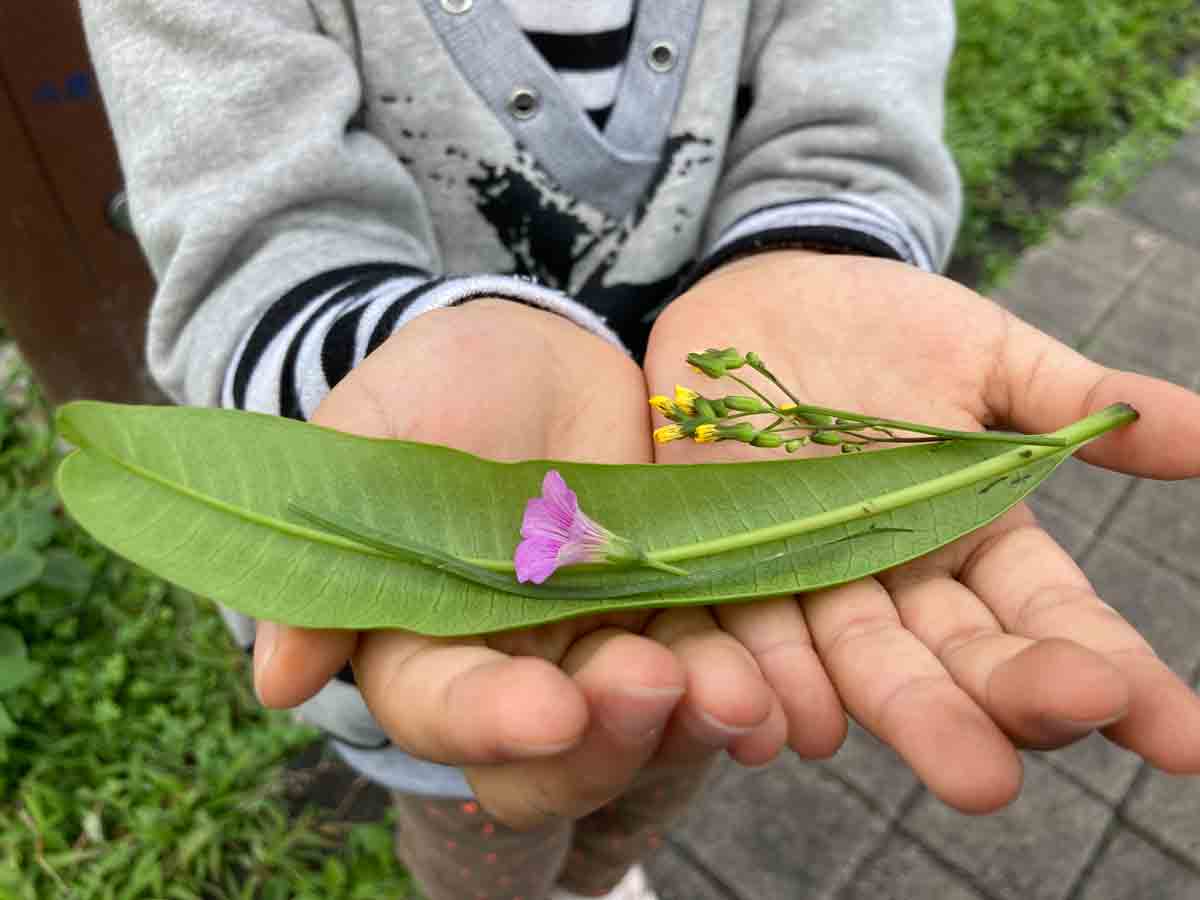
(731, 358)
(719, 407)
(821, 420)
(743, 432)
(714, 363)
(828, 438)
(745, 404)
(704, 409)
(764, 439)
(753, 360)
(705, 365)
(793, 445)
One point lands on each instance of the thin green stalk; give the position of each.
(1008, 437)
(1069, 438)
(1004, 437)
(748, 386)
(766, 373)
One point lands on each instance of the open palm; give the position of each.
(996, 641)
(552, 721)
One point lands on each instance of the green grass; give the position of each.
(134, 761)
(1057, 101)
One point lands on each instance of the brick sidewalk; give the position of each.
(1092, 823)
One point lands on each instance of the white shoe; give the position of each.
(634, 886)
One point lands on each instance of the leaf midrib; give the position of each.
(238, 512)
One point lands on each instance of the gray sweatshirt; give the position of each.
(307, 176)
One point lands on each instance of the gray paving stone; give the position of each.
(1174, 273)
(1033, 850)
(675, 877)
(1106, 239)
(1087, 493)
(784, 832)
(1188, 149)
(1164, 518)
(1169, 199)
(903, 870)
(1168, 806)
(1066, 528)
(872, 767)
(1099, 764)
(1161, 604)
(1146, 334)
(1059, 295)
(1131, 869)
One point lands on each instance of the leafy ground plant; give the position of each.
(1053, 101)
(134, 761)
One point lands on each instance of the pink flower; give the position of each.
(556, 532)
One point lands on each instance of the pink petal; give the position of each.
(560, 499)
(539, 521)
(536, 560)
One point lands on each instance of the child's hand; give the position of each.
(554, 720)
(996, 641)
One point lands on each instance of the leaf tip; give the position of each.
(64, 423)
(1127, 409)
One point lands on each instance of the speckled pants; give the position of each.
(456, 851)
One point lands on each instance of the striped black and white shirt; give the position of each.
(313, 336)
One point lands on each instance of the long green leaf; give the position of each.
(201, 497)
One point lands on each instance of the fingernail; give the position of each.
(265, 638)
(539, 751)
(712, 731)
(642, 713)
(1077, 728)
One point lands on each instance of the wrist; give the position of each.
(762, 259)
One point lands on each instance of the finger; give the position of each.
(727, 697)
(775, 633)
(1043, 694)
(1042, 384)
(292, 664)
(1036, 590)
(459, 702)
(896, 688)
(631, 686)
(764, 743)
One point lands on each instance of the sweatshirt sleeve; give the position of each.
(842, 145)
(287, 241)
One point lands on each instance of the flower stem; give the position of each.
(748, 386)
(1067, 440)
(1004, 437)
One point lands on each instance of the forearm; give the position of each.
(843, 145)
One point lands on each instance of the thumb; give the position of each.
(1042, 384)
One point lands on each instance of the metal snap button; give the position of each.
(457, 7)
(661, 56)
(117, 213)
(524, 103)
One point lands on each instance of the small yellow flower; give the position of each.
(705, 434)
(669, 433)
(663, 405)
(685, 400)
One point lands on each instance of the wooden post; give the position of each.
(74, 288)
